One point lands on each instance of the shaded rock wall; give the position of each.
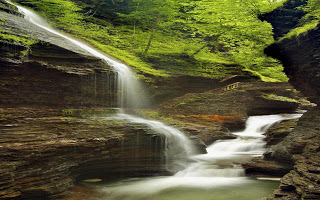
(43, 151)
(301, 58)
(37, 84)
(285, 18)
(51, 72)
(165, 89)
(248, 98)
(300, 149)
(45, 146)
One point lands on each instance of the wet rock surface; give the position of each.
(15, 22)
(47, 145)
(277, 133)
(50, 72)
(44, 151)
(216, 112)
(237, 99)
(300, 149)
(261, 167)
(300, 56)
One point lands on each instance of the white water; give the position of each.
(130, 95)
(177, 147)
(219, 168)
(130, 92)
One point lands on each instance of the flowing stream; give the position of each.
(215, 175)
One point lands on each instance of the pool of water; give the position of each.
(169, 188)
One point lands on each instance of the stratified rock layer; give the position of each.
(301, 148)
(43, 151)
(301, 58)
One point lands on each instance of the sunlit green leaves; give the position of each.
(195, 37)
(309, 21)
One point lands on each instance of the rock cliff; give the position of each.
(47, 145)
(300, 149)
(301, 58)
(44, 151)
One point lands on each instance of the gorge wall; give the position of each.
(301, 148)
(50, 139)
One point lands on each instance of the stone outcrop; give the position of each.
(301, 147)
(211, 115)
(229, 107)
(45, 144)
(247, 98)
(167, 88)
(301, 58)
(51, 71)
(44, 151)
(277, 133)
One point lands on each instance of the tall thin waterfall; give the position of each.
(130, 93)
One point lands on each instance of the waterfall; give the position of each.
(130, 95)
(219, 168)
(177, 147)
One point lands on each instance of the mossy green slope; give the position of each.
(201, 38)
(11, 39)
(309, 21)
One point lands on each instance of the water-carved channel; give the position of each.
(216, 175)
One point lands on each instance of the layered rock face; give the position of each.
(33, 83)
(43, 151)
(301, 148)
(46, 145)
(301, 58)
(50, 74)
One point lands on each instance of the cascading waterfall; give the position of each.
(130, 92)
(130, 95)
(219, 168)
(177, 147)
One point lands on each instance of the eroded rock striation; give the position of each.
(301, 148)
(301, 58)
(44, 151)
(46, 145)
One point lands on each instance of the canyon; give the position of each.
(54, 95)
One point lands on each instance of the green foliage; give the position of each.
(309, 21)
(278, 98)
(159, 37)
(8, 36)
(154, 115)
